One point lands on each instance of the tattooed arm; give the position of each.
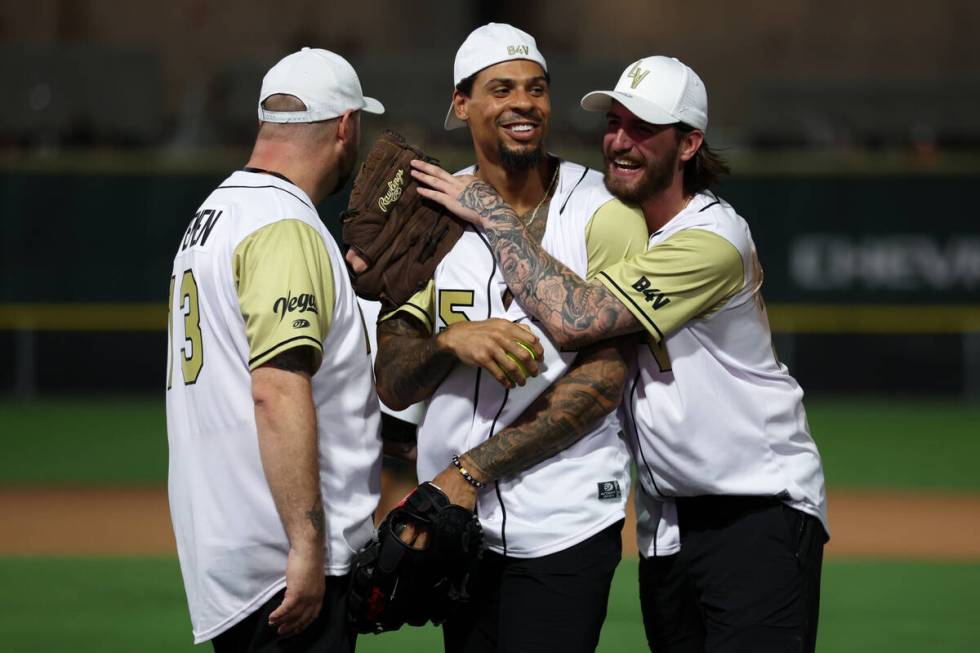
(591, 389)
(574, 311)
(410, 364)
(285, 419)
(557, 419)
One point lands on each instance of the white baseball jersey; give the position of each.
(710, 409)
(578, 492)
(256, 274)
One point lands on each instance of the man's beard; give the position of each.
(345, 168)
(656, 176)
(516, 161)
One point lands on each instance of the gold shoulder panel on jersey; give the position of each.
(615, 232)
(421, 306)
(691, 274)
(285, 289)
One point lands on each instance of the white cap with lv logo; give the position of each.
(658, 90)
(489, 45)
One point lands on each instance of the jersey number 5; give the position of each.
(192, 350)
(449, 303)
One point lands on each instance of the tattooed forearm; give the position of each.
(316, 517)
(565, 412)
(410, 364)
(574, 311)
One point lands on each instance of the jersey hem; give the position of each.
(811, 510)
(561, 545)
(214, 631)
(656, 551)
(244, 611)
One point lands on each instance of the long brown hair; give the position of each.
(705, 169)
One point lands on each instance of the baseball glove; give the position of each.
(393, 583)
(401, 235)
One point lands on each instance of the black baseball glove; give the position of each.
(393, 583)
(399, 234)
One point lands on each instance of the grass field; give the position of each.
(124, 442)
(134, 605)
(137, 604)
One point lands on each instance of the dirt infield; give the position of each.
(865, 524)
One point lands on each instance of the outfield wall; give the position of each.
(871, 281)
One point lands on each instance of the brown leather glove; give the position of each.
(401, 235)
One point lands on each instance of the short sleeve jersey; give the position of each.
(257, 274)
(710, 409)
(575, 494)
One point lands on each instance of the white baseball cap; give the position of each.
(323, 80)
(659, 90)
(486, 46)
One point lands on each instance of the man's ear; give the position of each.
(690, 144)
(347, 127)
(461, 106)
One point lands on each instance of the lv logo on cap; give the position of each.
(637, 74)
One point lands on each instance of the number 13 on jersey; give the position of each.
(192, 348)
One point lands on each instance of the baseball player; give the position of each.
(516, 427)
(271, 416)
(732, 510)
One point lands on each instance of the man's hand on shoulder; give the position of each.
(466, 196)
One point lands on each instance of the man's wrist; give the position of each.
(478, 474)
(308, 545)
(444, 344)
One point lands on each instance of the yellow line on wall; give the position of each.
(784, 318)
(871, 318)
(84, 317)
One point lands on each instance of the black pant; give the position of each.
(747, 578)
(329, 632)
(552, 603)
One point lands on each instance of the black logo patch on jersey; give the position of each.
(609, 490)
(301, 303)
(654, 296)
(301, 323)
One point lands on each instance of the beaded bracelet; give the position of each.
(479, 485)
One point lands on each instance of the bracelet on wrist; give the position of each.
(479, 485)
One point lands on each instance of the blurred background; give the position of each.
(853, 131)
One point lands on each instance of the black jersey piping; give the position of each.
(428, 320)
(496, 484)
(317, 344)
(639, 308)
(301, 200)
(636, 433)
(717, 201)
(493, 269)
(268, 172)
(569, 196)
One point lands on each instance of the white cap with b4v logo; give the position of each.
(489, 45)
